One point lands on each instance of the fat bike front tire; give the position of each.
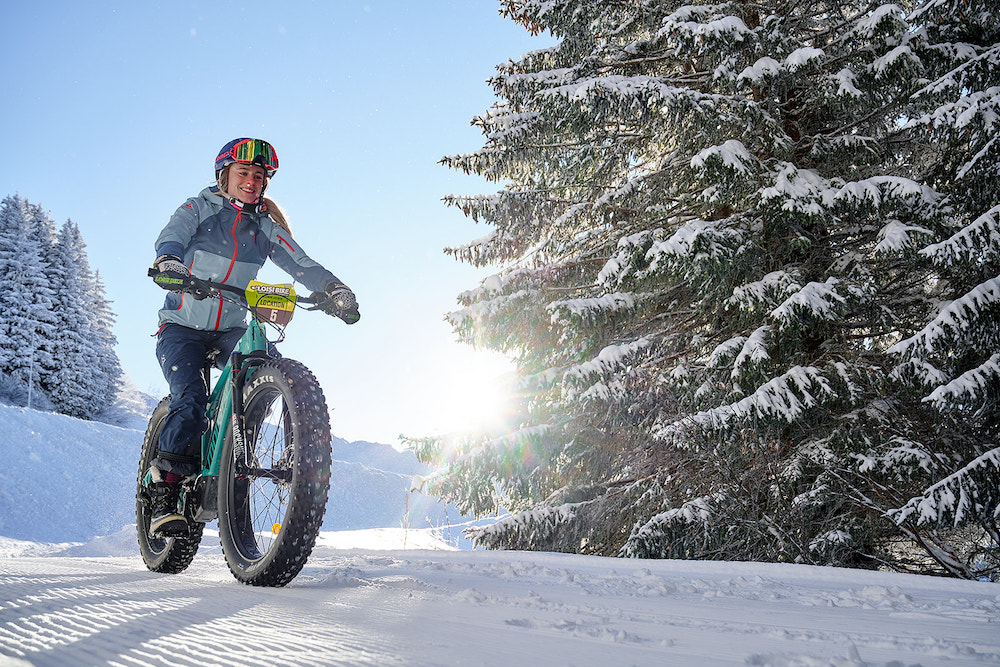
(161, 554)
(273, 490)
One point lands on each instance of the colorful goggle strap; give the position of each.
(254, 151)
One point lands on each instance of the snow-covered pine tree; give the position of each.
(106, 370)
(72, 388)
(55, 321)
(716, 223)
(953, 356)
(27, 323)
(42, 234)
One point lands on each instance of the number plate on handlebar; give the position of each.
(271, 303)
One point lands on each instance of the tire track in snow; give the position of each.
(490, 608)
(705, 608)
(140, 618)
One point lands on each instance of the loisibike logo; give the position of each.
(272, 289)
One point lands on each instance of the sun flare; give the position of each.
(473, 393)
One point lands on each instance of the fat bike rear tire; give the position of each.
(272, 493)
(161, 554)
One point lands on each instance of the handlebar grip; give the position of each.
(176, 282)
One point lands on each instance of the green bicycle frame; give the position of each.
(220, 412)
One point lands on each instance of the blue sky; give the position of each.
(113, 113)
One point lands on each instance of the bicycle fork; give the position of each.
(241, 365)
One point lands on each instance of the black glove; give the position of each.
(172, 272)
(341, 302)
(170, 264)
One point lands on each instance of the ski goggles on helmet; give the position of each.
(248, 151)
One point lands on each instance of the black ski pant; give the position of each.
(181, 353)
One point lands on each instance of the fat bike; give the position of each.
(265, 457)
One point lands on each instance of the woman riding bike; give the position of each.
(224, 234)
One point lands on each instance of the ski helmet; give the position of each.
(247, 151)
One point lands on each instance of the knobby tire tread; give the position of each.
(310, 481)
(166, 555)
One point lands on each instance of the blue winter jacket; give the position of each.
(219, 240)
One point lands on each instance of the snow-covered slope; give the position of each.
(64, 479)
(422, 607)
(69, 480)
(379, 594)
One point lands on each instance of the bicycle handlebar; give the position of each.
(200, 288)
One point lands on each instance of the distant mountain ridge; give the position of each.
(70, 480)
(377, 455)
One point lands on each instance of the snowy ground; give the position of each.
(382, 604)
(387, 596)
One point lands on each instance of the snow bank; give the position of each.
(66, 480)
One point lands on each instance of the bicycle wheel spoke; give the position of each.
(268, 476)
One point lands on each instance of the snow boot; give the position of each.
(164, 519)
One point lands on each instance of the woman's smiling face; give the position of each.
(246, 182)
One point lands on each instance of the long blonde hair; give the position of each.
(276, 214)
(270, 206)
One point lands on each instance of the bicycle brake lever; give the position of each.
(199, 293)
